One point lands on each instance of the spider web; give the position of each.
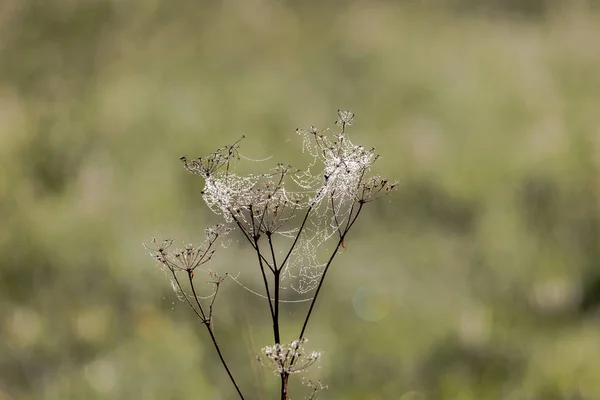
(277, 202)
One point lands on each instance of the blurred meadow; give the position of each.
(478, 279)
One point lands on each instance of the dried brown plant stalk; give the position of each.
(304, 208)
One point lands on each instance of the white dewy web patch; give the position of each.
(276, 203)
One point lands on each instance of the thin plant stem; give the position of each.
(322, 279)
(200, 313)
(255, 238)
(297, 237)
(276, 288)
(283, 374)
(213, 338)
(205, 318)
(249, 237)
(284, 384)
(212, 302)
(265, 281)
(262, 205)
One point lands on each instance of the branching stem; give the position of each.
(201, 314)
(322, 279)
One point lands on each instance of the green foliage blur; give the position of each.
(478, 279)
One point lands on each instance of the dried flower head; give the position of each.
(314, 386)
(328, 191)
(208, 165)
(306, 208)
(288, 358)
(373, 189)
(345, 118)
(191, 256)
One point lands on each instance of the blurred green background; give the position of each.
(478, 279)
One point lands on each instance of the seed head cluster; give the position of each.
(290, 358)
(305, 208)
(190, 257)
(330, 189)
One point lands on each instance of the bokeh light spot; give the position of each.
(371, 303)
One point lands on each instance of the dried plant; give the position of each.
(304, 209)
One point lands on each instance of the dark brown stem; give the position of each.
(200, 312)
(191, 277)
(335, 251)
(250, 239)
(264, 276)
(206, 323)
(276, 288)
(284, 384)
(337, 224)
(253, 239)
(296, 238)
(212, 302)
(312, 303)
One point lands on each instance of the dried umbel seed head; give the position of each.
(190, 257)
(288, 358)
(320, 201)
(373, 189)
(187, 259)
(305, 208)
(269, 209)
(344, 164)
(214, 232)
(208, 165)
(345, 118)
(314, 386)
